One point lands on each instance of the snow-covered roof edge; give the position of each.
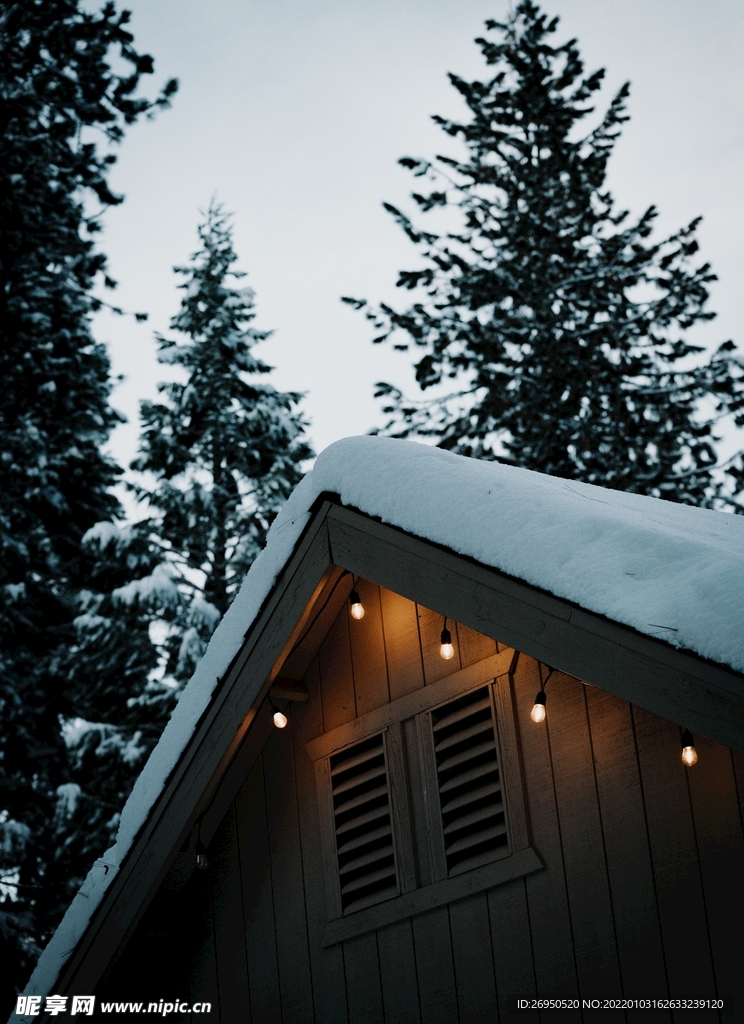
(670, 571)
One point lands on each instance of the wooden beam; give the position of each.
(524, 862)
(677, 685)
(289, 689)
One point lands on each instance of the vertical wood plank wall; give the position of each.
(643, 861)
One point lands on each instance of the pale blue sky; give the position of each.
(294, 113)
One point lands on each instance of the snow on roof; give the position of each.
(670, 571)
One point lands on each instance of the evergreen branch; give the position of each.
(534, 300)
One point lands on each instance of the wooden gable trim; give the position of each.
(409, 706)
(677, 685)
(207, 759)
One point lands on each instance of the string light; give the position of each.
(280, 719)
(689, 754)
(538, 708)
(539, 712)
(445, 640)
(357, 608)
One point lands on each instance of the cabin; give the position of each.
(468, 738)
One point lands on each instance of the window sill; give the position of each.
(524, 862)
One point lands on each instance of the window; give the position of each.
(421, 801)
(362, 825)
(469, 781)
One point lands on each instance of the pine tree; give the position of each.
(555, 318)
(58, 97)
(226, 450)
(225, 447)
(112, 662)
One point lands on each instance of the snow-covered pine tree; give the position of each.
(112, 662)
(226, 449)
(59, 96)
(558, 318)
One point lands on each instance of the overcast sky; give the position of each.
(295, 112)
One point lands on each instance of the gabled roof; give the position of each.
(672, 572)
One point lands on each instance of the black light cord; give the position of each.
(346, 572)
(547, 677)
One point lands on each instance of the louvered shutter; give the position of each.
(362, 824)
(469, 781)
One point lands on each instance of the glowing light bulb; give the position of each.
(357, 608)
(538, 708)
(202, 861)
(538, 713)
(689, 756)
(446, 649)
(280, 719)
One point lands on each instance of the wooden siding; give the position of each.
(643, 863)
